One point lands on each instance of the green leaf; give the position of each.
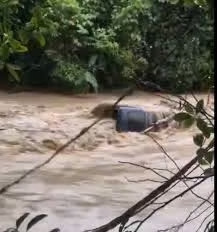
(201, 2)
(182, 116)
(4, 52)
(17, 46)
(40, 38)
(198, 139)
(208, 172)
(174, 1)
(14, 66)
(211, 129)
(21, 219)
(188, 3)
(34, 21)
(202, 161)
(13, 72)
(35, 220)
(13, 2)
(92, 61)
(200, 106)
(209, 156)
(55, 230)
(147, 4)
(202, 126)
(201, 152)
(189, 109)
(188, 122)
(82, 30)
(91, 80)
(23, 36)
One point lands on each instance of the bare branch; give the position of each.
(163, 150)
(144, 180)
(208, 229)
(63, 147)
(195, 177)
(190, 172)
(204, 220)
(190, 214)
(168, 202)
(58, 151)
(199, 206)
(122, 219)
(167, 155)
(144, 167)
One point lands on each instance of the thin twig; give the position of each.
(208, 229)
(204, 221)
(190, 214)
(196, 177)
(144, 167)
(178, 227)
(197, 166)
(144, 180)
(168, 202)
(166, 98)
(164, 151)
(205, 113)
(201, 204)
(122, 219)
(152, 202)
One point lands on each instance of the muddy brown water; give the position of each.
(86, 185)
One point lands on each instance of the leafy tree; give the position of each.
(116, 41)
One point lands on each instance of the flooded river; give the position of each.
(85, 186)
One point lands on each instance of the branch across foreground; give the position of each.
(69, 142)
(132, 211)
(63, 147)
(146, 201)
(159, 191)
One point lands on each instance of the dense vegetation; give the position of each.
(85, 45)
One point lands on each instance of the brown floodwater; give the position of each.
(86, 186)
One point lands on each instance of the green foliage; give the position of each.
(116, 41)
(13, 39)
(182, 116)
(200, 106)
(204, 123)
(199, 139)
(73, 76)
(35, 220)
(178, 53)
(203, 127)
(8, 44)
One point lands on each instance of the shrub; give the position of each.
(72, 76)
(116, 41)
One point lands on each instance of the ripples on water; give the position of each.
(85, 186)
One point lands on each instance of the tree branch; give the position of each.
(63, 147)
(144, 167)
(168, 202)
(136, 208)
